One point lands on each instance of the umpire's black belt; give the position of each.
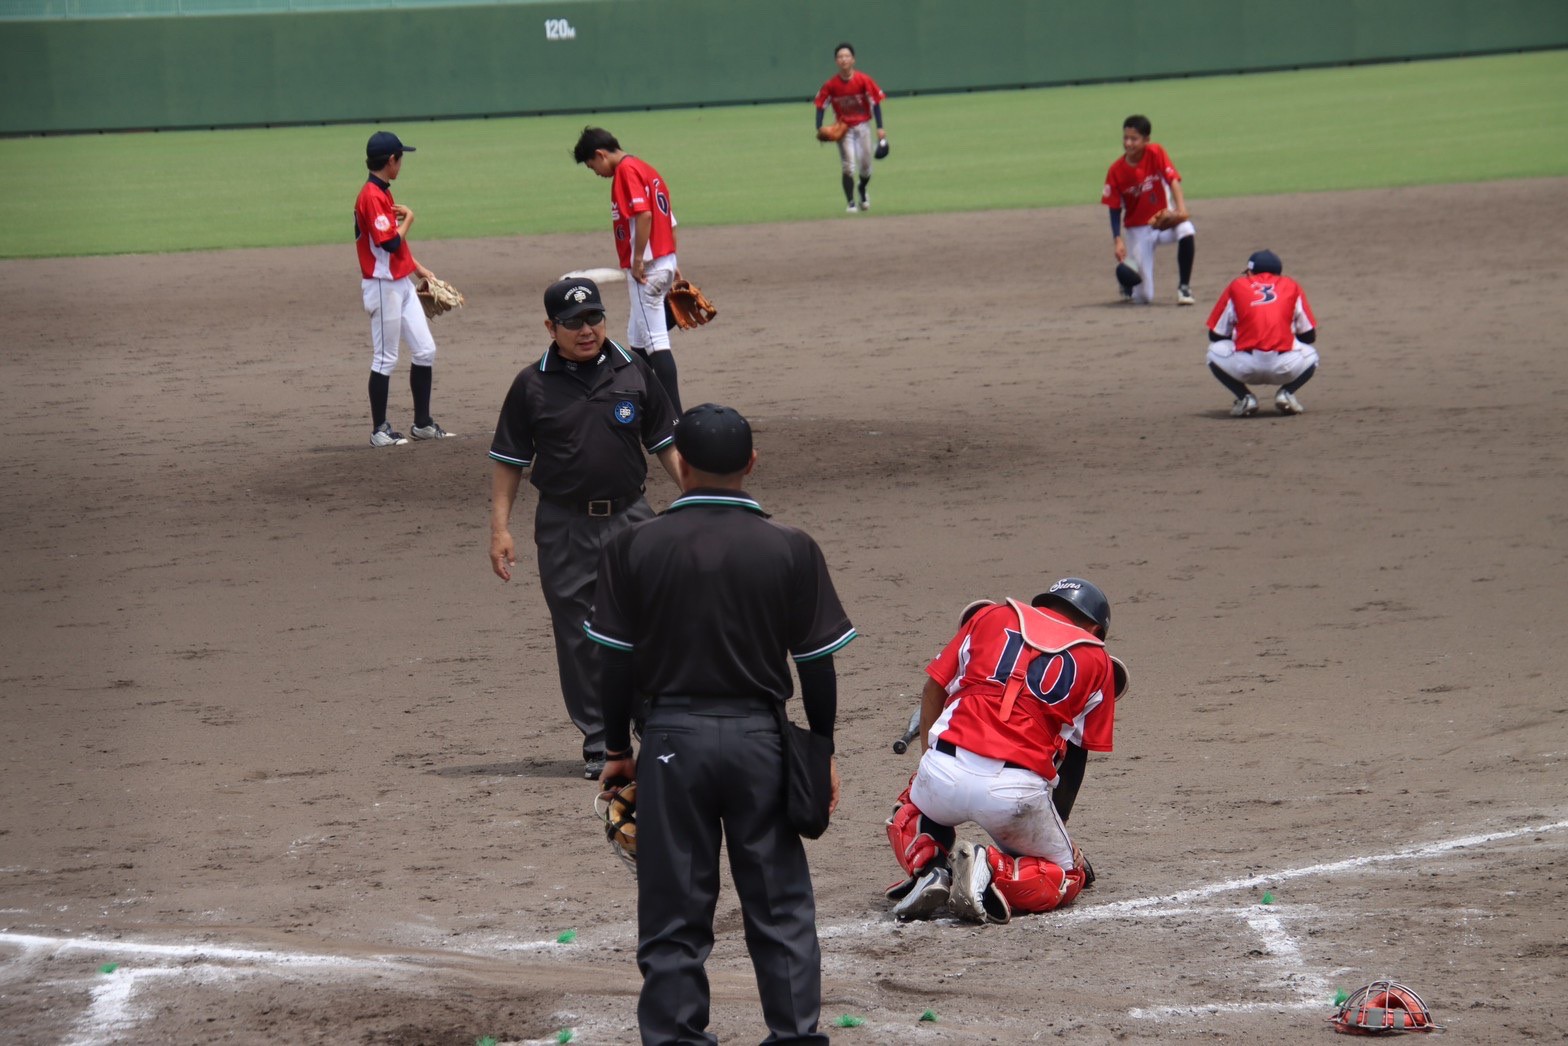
(597, 507)
(724, 703)
(947, 747)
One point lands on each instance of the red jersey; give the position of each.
(374, 225)
(1068, 695)
(852, 99)
(637, 188)
(1262, 312)
(1141, 190)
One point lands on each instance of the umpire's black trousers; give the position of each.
(712, 769)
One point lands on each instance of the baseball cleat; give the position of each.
(383, 436)
(865, 203)
(1285, 403)
(1244, 407)
(1184, 296)
(973, 897)
(430, 431)
(926, 894)
(851, 209)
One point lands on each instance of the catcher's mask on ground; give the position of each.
(1383, 1007)
(617, 808)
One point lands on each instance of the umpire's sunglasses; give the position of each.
(576, 323)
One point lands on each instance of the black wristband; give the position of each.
(611, 756)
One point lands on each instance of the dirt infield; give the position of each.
(282, 748)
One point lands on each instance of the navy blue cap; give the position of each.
(1265, 261)
(570, 297)
(385, 143)
(714, 439)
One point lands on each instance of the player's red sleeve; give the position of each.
(1218, 312)
(1099, 724)
(1304, 312)
(1162, 160)
(944, 667)
(1111, 195)
(873, 92)
(822, 95)
(631, 191)
(375, 214)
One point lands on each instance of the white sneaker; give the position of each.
(973, 897)
(383, 436)
(851, 209)
(924, 896)
(430, 431)
(1184, 296)
(865, 203)
(1244, 407)
(1285, 403)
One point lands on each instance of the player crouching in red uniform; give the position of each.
(1261, 330)
(1009, 711)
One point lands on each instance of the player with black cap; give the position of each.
(580, 420)
(697, 609)
(1262, 331)
(385, 266)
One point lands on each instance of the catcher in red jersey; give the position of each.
(856, 101)
(1261, 330)
(1009, 710)
(1143, 190)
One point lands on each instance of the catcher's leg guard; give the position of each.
(914, 848)
(1033, 884)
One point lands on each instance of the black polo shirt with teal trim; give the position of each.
(712, 598)
(582, 428)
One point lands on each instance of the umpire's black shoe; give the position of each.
(593, 765)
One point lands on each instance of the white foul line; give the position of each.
(1118, 909)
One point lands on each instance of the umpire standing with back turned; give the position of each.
(702, 609)
(580, 419)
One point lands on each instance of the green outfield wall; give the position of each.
(156, 70)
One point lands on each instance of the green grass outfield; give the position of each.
(1365, 127)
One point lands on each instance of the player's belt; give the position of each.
(947, 747)
(596, 507)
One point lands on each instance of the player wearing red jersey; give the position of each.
(644, 225)
(1139, 185)
(1010, 708)
(385, 265)
(856, 101)
(1261, 330)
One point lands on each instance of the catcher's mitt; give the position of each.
(437, 296)
(832, 132)
(1165, 218)
(617, 808)
(690, 306)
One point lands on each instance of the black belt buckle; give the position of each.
(601, 508)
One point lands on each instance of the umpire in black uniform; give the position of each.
(701, 609)
(580, 419)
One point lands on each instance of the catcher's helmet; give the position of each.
(1080, 596)
(1265, 261)
(881, 153)
(1383, 1007)
(1127, 276)
(617, 808)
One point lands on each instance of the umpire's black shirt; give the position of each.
(711, 596)
(583, 426)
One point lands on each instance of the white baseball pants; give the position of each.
(1262, 368)
(856, 149)
(646, 326)
(1013, 806)
(396, 316)
(1140, 241)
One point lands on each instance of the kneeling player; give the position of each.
(1010, 708)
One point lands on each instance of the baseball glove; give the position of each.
(832, 132)
(437, 296)
(690, 306)
(1165, 218)
(617, 808)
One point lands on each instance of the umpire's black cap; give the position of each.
(714, 439)
(569, 297)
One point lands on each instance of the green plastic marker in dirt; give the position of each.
(488, 1040)
(109, 967)
(1340, 996)
(566, 937)
(929, 1015)
(849, 1021)
(564, 1036)
(1268, 896)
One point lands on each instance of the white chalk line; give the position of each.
(1119, 909)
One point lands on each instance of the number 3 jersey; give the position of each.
(1066, 695)
(1262, 312)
